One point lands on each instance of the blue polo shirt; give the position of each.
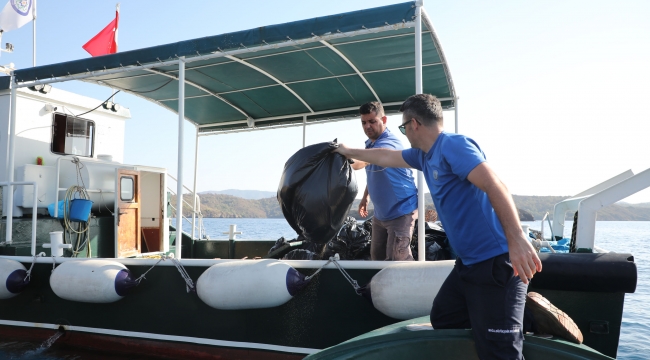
(474, 231)
(392, 190)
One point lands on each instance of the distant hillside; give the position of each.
(539, 205)
(244, 194)
(524, 215)
(228, 206)
(641, 205)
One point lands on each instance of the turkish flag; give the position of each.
(105, 42)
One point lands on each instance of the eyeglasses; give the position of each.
(402, 128)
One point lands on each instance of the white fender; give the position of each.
(406, 291)
(249, 284)
(91, 281)
(12, 274)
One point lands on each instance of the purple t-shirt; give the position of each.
(474, 231)
(392, 190)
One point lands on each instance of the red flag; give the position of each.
(105, 42)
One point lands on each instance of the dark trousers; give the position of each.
(487, 298)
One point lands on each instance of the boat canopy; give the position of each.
(315, 70)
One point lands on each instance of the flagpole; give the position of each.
(34, 33)
(117, 13)
(34, 44)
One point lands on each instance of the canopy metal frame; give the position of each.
(181, 62)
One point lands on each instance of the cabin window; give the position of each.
(73, 136)
(126, 188)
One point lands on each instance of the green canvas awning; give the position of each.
(315, 70)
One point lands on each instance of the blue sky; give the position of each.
(555, 92)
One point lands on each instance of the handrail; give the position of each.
(572, 203)
(184, 217)
(174, 193)
(173, 178)
(588, 202)
(196, 211)
(589, 206)
(8, 239)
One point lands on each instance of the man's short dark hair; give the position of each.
(425, 108)
(373, 106)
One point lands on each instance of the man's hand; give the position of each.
(363, 207)
(342, 149)
(523, 258)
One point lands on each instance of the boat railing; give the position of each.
(588, 202)
(8, 238)
(197, 217)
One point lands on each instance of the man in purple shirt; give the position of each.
(392, 191)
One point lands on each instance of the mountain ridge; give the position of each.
(221, 205)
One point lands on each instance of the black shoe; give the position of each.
(551, 320)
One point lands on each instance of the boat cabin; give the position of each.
(65, 140)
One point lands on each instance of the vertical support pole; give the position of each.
(10, 161)
(304, 129)
(456, 114)
(34, 39)
(179, 175)
(34, 217)
(196, 161)
(419, 90)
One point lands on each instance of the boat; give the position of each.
(127, 281)
(416, 339)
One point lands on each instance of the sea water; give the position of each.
(618, 236)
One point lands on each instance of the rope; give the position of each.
(189, 284)
(574, 234)
(29, 272)
(335, 259)
(355, 285)
(82, 230)
(142, 277)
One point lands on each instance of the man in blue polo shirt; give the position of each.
(486, 291)
(392, 191)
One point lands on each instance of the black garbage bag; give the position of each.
(351, 243)
(300, 254)
(436, 242)
(368, 225)
(316, 191)
(278, 244)
(283, 246)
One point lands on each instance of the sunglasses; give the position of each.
(402, 128)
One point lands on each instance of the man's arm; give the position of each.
(523, 257)
(379, 156)
(358, 164)
(363, 204)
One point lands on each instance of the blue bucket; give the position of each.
(80, 210)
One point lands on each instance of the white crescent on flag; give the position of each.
(17, 13)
